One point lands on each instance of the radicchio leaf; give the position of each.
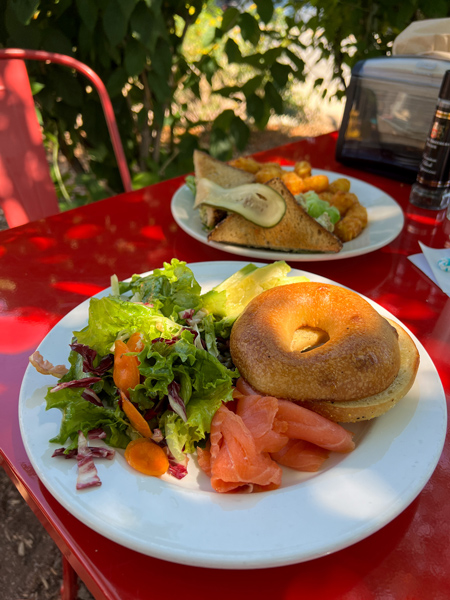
(105, 364)
(176, 401)
(62, 452)
(100, 452)
(89, 355)
(85, 382)
(168, 342)
(176, 470)
(97, 434)
(198, 341)
(91, 397)
(94, 451)
(186, 314)
(156, 410)
(87, 471)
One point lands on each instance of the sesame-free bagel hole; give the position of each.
(307, 338)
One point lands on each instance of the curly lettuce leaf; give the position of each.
(161, 364)
(76, 368)
(174, 287)
(210, 335)
(159, 361)
(111, 315)
(182, 437)
(80, 415)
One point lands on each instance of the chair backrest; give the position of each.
(26, 189)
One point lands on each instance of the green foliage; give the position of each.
(157, 59)
(347, 31)
(162, 60)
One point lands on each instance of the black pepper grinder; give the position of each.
(432, 187)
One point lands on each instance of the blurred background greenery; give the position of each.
(185, 75)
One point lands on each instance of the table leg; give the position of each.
(69, 587)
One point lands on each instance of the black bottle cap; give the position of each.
(444, 92)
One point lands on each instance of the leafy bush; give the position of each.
(347, 31)
(173, 68)
(157, 59)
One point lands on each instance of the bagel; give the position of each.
(322, 345)
(375, 406)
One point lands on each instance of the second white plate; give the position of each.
(385, 223)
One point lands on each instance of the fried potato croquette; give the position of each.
(246, 164)
(343, 201)
(271, 165)
(302, 169)
(326, 195)
(316, 183)
(350, 226)
(339, 185)
(293, 182)
(266, 173)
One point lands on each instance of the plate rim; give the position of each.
(293, 257)
(203, 559)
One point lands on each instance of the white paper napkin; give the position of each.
(428, 263)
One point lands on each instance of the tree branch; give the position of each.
(144, 146)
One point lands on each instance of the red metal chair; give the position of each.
(26, 189)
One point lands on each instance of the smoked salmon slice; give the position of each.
(235, 460)
(248, 443)
(259, 414)
(245, 388)
(304, 424)
(301, 456)
(204, 460)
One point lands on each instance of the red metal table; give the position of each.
(49, 266)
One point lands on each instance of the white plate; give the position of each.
(385, 223)
(311, 515)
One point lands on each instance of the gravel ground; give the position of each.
(30, 562)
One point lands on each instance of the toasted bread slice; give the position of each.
(296, 232)
(224, 175)
(210, 216)
(221, 173)
(374, 406)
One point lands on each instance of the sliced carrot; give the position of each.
(136, 343)
(146, 457)
(126, 372)
(135, 417)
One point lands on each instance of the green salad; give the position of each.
(185, 371)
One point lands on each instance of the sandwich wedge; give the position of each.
(296, 232)
(207, 167)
